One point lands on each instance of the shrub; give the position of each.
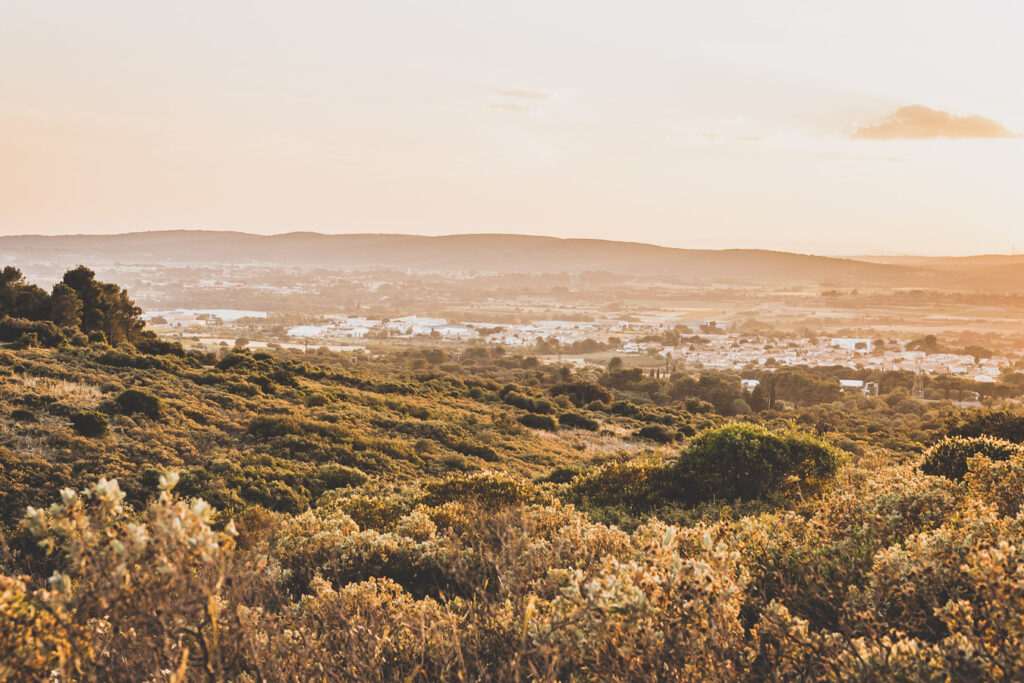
(543, 406)
(489, 489)
(368, 511)
(157, 577)
(334, 476)
(27, 340)
(152, 346)
(638, 484)
(582, 392)
(624, 408)
(998, 482)
(134, 401)
(745, 462)
(656, 432)
(534, 421)
(887, 578)
(559, 475)
(475, 449)
(90, 424)
(577, 421)
(27, 333)
(1005, 424)
(948, 458)
(237, 360)
(271, 426)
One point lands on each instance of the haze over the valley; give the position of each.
(875, 127)
(513, 254)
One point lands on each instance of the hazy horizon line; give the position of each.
(852, 253)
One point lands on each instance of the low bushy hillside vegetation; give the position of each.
(294, 516)
(887, 574)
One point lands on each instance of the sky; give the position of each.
(823, 127)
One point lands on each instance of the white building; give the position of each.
(455, 331)
(851, 385)
(307, 331)
(851, 344)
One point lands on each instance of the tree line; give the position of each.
(100, 310)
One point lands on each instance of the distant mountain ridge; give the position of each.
(482, 253)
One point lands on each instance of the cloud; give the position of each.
(524, 94)
(918, 122)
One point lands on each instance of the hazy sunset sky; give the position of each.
(825, 127)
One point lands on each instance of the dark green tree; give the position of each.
(65, 306)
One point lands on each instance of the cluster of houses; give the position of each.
(722, 350)
(197, 319)
(220, 285)
(735, 352)
(341, 327)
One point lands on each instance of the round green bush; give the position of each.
(656, 432)
(89, 424)
(577, 421)
(746, 462)
(133, 401)
(534, 421)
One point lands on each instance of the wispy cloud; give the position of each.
(918, 122)
(524, 94)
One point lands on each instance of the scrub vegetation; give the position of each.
(428, 515)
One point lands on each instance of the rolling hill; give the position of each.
(514, 253)
(481, 253)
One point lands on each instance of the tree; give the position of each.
(19, 299)
(83, 281)
(65, 306)
(757, 400)
(106, 307)
(929, 344)
(121, 321)
(32, 303)
(10, 280)
(979, 352)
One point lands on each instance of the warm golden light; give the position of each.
(820, 127)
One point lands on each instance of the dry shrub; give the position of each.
(891, 575)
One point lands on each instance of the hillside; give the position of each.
(487, 253)
(427, 514)
(947, 262)
(422, 516)
(416, 518)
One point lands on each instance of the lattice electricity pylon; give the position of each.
(918, 390)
